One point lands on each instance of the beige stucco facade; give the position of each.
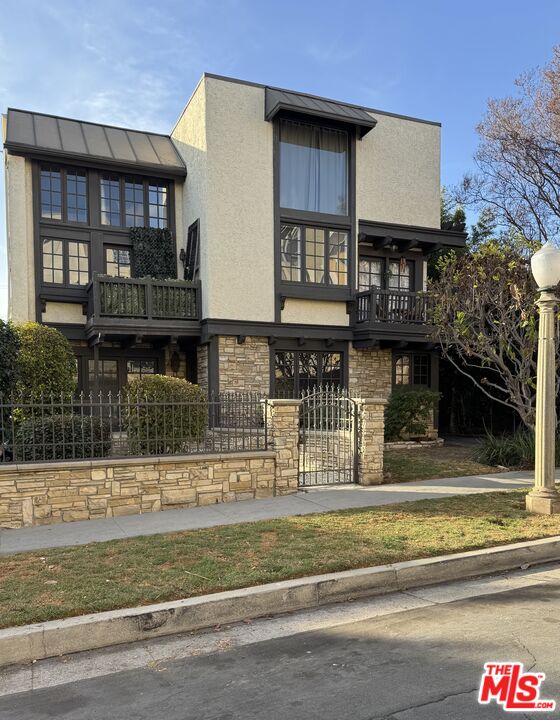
(314, 312)
(398, 172)
(227, 147)
(19, 224)
(59, 312)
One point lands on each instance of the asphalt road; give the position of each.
(416, 656)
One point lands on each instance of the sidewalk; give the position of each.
(315, 500)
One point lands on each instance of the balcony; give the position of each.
(390, 315)
(142, 306)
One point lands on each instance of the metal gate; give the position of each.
(327, 438)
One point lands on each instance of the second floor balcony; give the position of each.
(391, 314)
(142, 306)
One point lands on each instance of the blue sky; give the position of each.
(135, 63)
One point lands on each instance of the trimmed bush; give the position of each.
(62, 437)
(163, 414)
(512, 450)
(9, 348)
(46, 364)
(408, 412)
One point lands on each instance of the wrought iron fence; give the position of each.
(103, 425)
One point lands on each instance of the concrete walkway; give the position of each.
(314, 500)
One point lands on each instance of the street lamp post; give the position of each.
(543, 498)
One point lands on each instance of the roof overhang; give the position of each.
(278, 101)
(381, 235)
(62, 139)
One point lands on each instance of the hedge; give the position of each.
(163, 414)
(46, 364)
(62, 437)
(408, 412)
(153, 253)
(9, 348)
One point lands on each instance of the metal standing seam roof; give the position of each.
(76, 139)
(277, 100)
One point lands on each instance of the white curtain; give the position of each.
(313, 168)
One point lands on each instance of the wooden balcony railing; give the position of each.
(392, 306)
(143, 298)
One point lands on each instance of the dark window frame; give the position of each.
(146, 182)
(296, 351)
(325, 229)
(118, 248)
(66, 284)
(192, 252)
(282, 216)
(387, 256)
(64, 170)
(414, 357)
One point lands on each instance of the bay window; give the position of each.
(63, 194)
(133, 202)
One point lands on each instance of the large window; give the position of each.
(298, 371)
(314, 255)
(313, 168)
(412, 369)
(65, 262)
(400, 275)
(133, 201)
(63, 194)
(370, 273)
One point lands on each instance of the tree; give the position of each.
(46, 364)
(518, 157)
(9, 347)
(486, 322)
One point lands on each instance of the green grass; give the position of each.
(63, 582)
(433, 462)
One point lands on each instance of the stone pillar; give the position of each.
(371, 427)
(544, 498)
(283, 437)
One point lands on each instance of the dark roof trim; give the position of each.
(411, 118)
(40, 134)
(277, 101)
(378, 233)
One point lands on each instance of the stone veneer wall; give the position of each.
(202, 367)
(244, 367)
(41, 494)
(370, 372)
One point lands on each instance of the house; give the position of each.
(301, 229)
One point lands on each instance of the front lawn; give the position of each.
(122, 573)
(430, 463)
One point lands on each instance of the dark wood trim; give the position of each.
(426, 238)
(280, 331)
(213, 365)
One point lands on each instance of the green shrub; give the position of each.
(62, 437)
(162, 414)
(46, 364)
(9, 348)
(511, 450)
(408, 412)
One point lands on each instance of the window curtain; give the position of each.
(313, 168)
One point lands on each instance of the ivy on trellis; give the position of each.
(153, 253)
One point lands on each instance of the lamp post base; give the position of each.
(543, 505)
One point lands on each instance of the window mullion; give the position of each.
(326, 256)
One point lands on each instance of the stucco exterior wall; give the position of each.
(398, 173)
(19, 225)
(58, 312)
(240, 231)
(314, 312)
(189, 136)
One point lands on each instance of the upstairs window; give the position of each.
(133, 202)
(64, 194)
(110, 200)
(314, 255)
(65, 262)
(117, 262)
(313, 168)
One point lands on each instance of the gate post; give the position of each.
(283, 434)
(371, 428)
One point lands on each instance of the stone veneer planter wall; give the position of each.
(44, 493)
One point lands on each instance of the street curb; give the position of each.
(88, 632)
